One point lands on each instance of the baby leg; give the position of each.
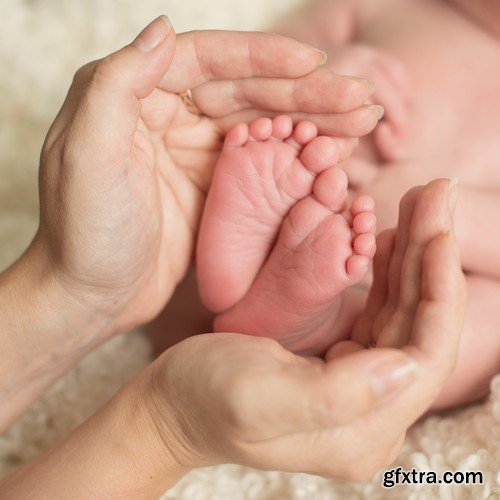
(479, 353)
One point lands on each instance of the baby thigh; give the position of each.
(479, 352)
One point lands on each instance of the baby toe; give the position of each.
(363, 203)
(261, 129)
(321, 153)
(357, 267)
(237, 136)
(303, 133)
(364, 222)
(282, 127)
(365, 245)
(330, 188)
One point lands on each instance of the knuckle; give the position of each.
(102, 68)
(84, 72)
(326, 412)
(335, 407)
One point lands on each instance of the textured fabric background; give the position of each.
(42, 43)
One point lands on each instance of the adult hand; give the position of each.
(221, 398)
(248, 400)
(125, 167)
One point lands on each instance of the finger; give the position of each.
(202, 56)
(343, 349)
(401, 241)
(377, 297)
(431, 217)
(318, 92)
(351, 124)
(310, 397)
(436, 331)
(440, 315)
(393, 279)
(395, 450)
(109, 91)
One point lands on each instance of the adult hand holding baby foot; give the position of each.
(123, 177)
(148, 160)
(258, 404)
(124, 173)
(233, 398)
(418, 297)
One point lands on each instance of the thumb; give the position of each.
(139, 67)
(308, 397)
(108, 92)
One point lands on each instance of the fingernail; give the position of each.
(322, 53)
(392, 376)
(379, 110)
(153, 34)
(364, 81)
(453, 194)
(324, 57)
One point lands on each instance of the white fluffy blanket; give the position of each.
(42, 42)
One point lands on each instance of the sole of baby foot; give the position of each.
(264, 169)
(321, 250)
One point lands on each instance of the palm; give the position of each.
(180, 150)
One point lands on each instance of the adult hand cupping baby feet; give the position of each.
(127, 163)
(277, 244)
(418, 297)
(250, 401)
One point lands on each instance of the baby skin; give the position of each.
(277, 244)
(439, 122)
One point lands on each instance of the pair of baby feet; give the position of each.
(277, 244)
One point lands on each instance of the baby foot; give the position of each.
(264, 169)
(320, 251)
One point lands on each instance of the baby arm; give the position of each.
(477, 219)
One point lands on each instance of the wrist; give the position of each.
(168, 402)
(113, 302)
(116, 453)
(82, 307)
(151, 460)
(48, 330)
(80, 320)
